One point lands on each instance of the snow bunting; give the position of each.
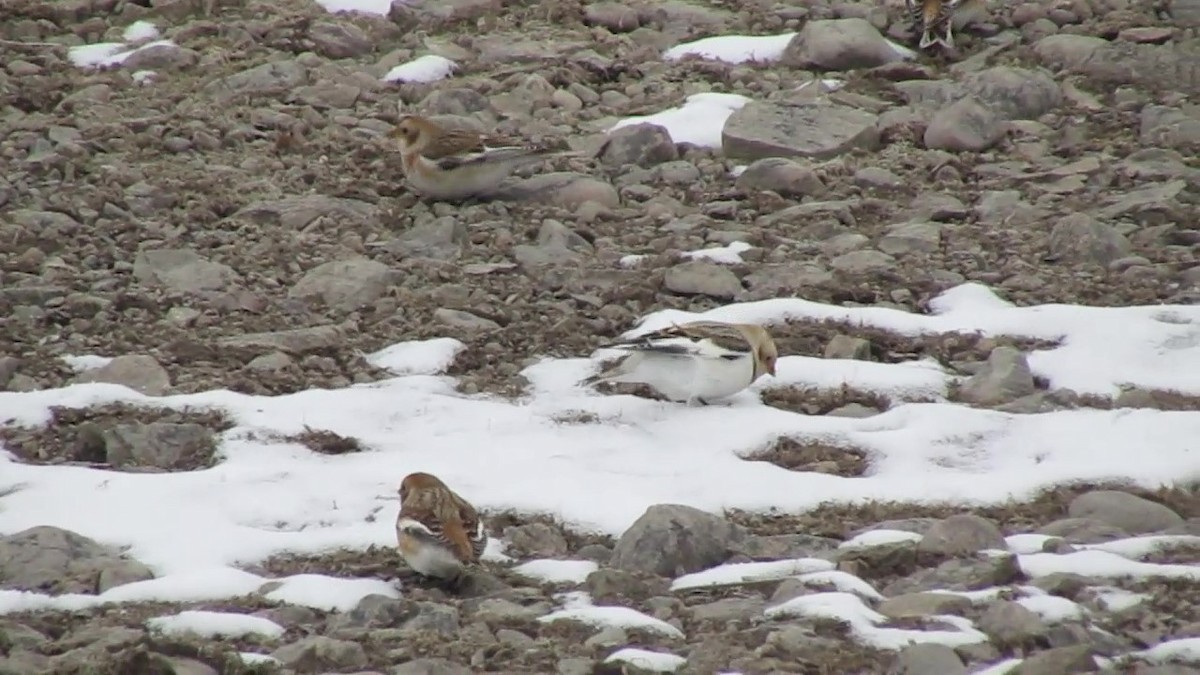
(438, 532)
(452, 164)
(946, 15)
(696, 362)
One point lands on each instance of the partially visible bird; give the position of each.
(932, 16)
(696, 362)
(452, 164)
(438, 532)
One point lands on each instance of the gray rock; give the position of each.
(299, 212)
(782, 546)
(321, 654)
(1150, 197)
(339, 40)
(431, 666)
(699, 277)
(788, 640)
(671, 539)
(906, 238)
(1167, 127)
(373, 611)
(769, 281)
(268, 79)
(1063, 584)
(895, 559)
(161, 57)
(327, 94)
(615, 16)
(728, 609)
(964, 126)
(839, 44)
(606, 584)
(816, 130)
(1082, 531)
(783, 176)
(160, 445)
(345, 285)
(52, 560)
(8, 368)
(1015, 93)
(295, 341)
(921, 605)
(562, 188)
(1061, 661)
(439, 239)
(1005, 376)
(182, 271)
(959, 574)
(927, 659)
(1011, 625)
(609, 636)
(1068, 51)
(556, 243)
(139, 372)
(20, 636)
(499, 611)
(432, 617)
(961, 534)
(457, 318)
(876, 177)
(863, 262)
(848, 347)
(536, 540)
(1131, 513)
(641, 144)
(1184, 13)
(1079, 237)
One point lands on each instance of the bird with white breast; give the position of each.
(439, 533)
(696, 362)
(453, 164)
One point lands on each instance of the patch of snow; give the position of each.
(378, 7)
(140, 31)
(733, 48)
(863, 622)
(750, 572)
(728, 255)
(841, 581)
(328, 593)
(577, 606)
(1000, 668)
(1026, 543)
(1114, 599)
(144, 77)
(1102, 564)
(645, 659)
(1139, 547)
(214, 624)
(418, 357)
(85, 362)
(251, 658)
(428, 68)
(1052, 608)
(879, 538)
(632, 260)
(1183, 650)
(698, 121)
(557, 571)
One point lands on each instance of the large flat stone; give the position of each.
(815, 130)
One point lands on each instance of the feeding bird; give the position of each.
(696, 362)
(451, 164)
(439, 533)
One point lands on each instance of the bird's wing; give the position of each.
(487, 156)
(426, 525)
(703, 339)
(472, 528)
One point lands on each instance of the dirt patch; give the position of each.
(795, 455)
(325, 442)
(498, 522)
(814, 401)
(810, 338)
(75, 434)
(374, 562)
(839, 520)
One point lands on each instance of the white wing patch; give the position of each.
(411, 524)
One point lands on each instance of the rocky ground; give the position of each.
(234, 221)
